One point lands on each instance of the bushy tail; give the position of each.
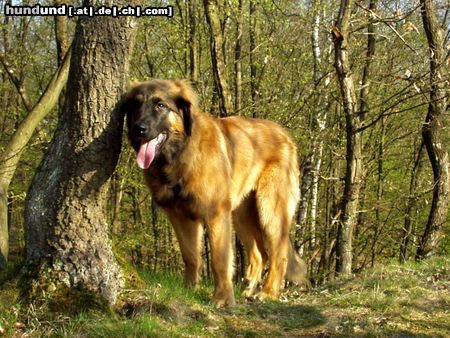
(296, 268)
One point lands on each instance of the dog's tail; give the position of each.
(296, 268)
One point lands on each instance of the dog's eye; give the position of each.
(161, 105)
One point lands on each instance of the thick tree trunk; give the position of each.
(350, 200)
(431, 133)
(65, 214)
(10, 157)
(218, 57)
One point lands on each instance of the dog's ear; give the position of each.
(130, 103)
(186, 107)
(186, 102)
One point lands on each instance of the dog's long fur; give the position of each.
(217, 172)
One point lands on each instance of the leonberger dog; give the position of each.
(214, 173)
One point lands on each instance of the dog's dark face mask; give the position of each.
(158, 118)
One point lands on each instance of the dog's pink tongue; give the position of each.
(146, 154)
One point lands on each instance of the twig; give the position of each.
(388, 24)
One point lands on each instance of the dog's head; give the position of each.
(159, 113)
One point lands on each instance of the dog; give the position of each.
(215, 173)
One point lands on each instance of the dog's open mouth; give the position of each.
(149, 149)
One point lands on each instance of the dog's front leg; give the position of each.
(189, 234)
(219, 230)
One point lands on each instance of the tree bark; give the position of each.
(238, 62)
(193, 44)
(61, 35)
(311, 169)
(62, 41)
(4, 230)
(252, 47)
(370, 51)
(319, 119)
(218, 58)
(407, 230)
(67, 244)
(431, 133)
(10, 157)
(350, 199)
(363, 111)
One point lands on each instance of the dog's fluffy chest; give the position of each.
(170, 194)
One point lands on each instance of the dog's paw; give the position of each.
(263, 296)
(221, 300)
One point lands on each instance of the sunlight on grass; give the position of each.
(389, 300)
(167, 287)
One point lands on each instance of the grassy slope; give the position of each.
(392, 300)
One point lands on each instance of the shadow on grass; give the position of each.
(273, 319)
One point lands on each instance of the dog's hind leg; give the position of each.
(248, 229)
(276, 198)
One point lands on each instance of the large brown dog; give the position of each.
(207, 171)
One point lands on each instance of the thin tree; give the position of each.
(193, 44)
(350, 199)
(432, 130)
(408, 225)
(252, 58)
(9, 159)
(313, 161)
(218, 57)
(65, 212)
(238, 60)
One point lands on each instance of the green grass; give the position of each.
(391, 300)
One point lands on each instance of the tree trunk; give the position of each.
(62, 41)
(193, 45)
(407, 230)
(10, 157)
(309, 186)
(252, 47)
(380, 191)
(370, 51)
(350, 199)
(67, 244)
(117, 194)
(218, 58)
(431, 133)
(363, 111)
(4, 230)
(237, 61)
(319, 120)
(156, 236)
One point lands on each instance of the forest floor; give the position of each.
(391, 300)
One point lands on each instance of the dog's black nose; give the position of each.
(139, 130)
